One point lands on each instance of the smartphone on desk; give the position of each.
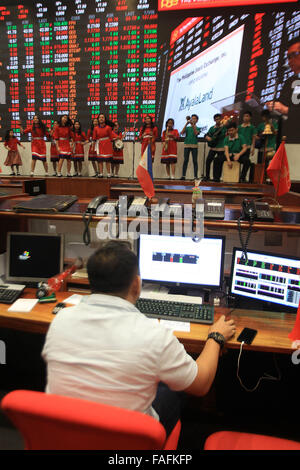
(247, 335)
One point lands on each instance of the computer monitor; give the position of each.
(267, 278)
(33, 257)
(176, 261)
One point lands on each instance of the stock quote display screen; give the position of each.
(125, 59)
(78, 58)
(213, 64)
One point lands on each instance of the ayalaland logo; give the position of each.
(187, 103)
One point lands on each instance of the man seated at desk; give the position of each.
(235, 150)
(105, 350)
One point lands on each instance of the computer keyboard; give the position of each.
(176, 311)
(9, 293)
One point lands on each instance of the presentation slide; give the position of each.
(176, 254)
(209, 77)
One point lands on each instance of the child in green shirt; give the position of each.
(191, 132)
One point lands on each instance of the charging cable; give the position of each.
(265, 376)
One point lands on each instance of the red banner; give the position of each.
(167, 5)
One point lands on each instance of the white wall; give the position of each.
(293, 153)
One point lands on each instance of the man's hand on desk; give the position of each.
(225, 327)
(207, 362)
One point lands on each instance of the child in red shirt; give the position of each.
(13, 157)
(80, 139)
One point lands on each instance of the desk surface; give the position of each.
(285, 220)
(273, 328)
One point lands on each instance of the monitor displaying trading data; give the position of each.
(181, 261)
(78, 58)
(266, 277)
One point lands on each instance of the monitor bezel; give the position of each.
(253, 299)
(24, 279)
(188, 285)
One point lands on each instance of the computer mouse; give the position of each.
(58, 307)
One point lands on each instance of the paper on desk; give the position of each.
(153, 291)
(23, 305)
(73, 300)
(176, 325)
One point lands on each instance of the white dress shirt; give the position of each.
(105, 350)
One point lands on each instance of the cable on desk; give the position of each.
(244, 244)
(264, 377)
(86, 232)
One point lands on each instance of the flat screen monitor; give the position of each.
(266, 277)
(182, 262)
(33, 257)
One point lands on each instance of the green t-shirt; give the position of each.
(271, 144)
(247, 132)
(235, 145)
(190, 137)
(219, 144)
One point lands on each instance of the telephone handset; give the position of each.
(249, 209)
(95, 203)
(256, 210)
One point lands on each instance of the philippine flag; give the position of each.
(144, 173)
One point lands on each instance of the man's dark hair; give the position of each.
(112, 268)
(247, 112)
(196, 116)
(217, 115)
(231, 125)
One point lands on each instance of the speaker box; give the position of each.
(35, 187)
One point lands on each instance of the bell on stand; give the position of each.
(267, 154)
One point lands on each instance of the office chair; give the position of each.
(226, 440)
(52, 422)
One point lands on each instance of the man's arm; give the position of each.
(238, 155)
(183, 130)
(195, 129)
(208, 360)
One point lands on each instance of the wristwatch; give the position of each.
(218, 338)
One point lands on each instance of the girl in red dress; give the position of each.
(92, 152)
(38, 132)
(148, 135)
(103, 136)
(53, 150)
(80, 139)
(63, 137)
(169, 147)
(13, 157)
(118, 156)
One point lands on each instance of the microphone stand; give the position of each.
(204, 152)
